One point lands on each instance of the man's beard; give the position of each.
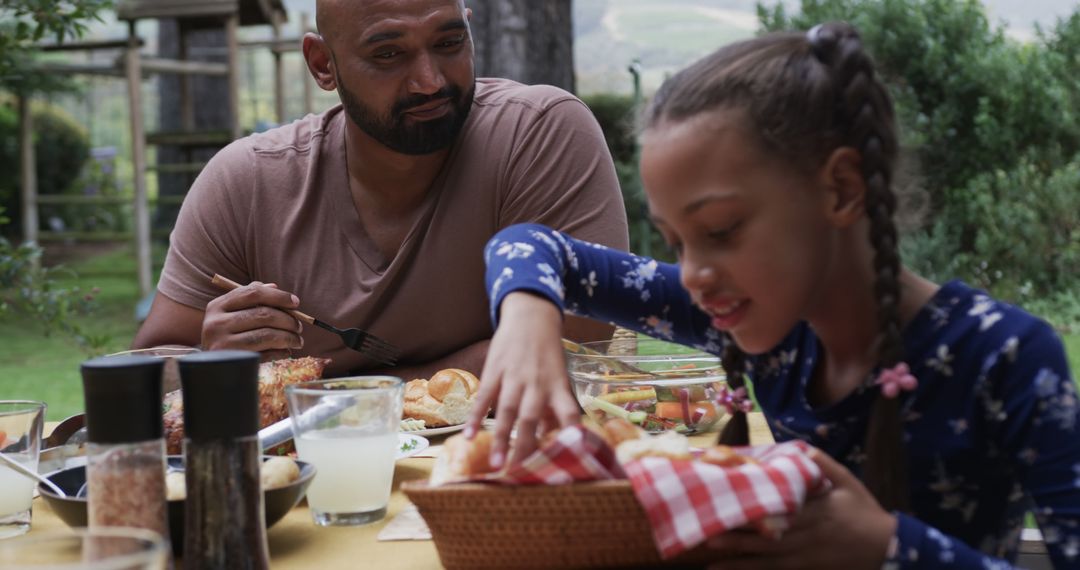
(420, 137)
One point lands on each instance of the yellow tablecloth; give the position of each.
(296, 543)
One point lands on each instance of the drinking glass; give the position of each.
(170, 374)
(21, 422)
(105, 548)
(348, 428)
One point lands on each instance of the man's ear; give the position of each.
(320, 61)
(841, 177)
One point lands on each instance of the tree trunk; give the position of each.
(531, 41)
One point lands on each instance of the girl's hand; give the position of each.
(525, 373)
(844, 528)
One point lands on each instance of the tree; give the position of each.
(524, 40)
(24, 285)
(26, 22)
(994, 125)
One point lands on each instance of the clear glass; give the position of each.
(170, 375)
(126, 485)
(658, 385)
(86, 549)
(21, 423)
(348, 428)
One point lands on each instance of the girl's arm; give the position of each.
(1030, 404)
(533, 274)
(593, 281)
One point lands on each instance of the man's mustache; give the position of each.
(449, 92)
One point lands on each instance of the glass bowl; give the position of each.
(657, 385)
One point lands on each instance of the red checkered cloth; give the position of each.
(690, 501)
(576, 455)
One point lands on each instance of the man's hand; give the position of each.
(844, 528)
(525, 376)
(253, 317)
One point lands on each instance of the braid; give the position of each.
(865, 116)
(737, 430)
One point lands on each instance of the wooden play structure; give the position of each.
(134, 67)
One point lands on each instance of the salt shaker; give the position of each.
(125, 449)
(224, 526)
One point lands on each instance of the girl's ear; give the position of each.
(319, 61)
(841, 177)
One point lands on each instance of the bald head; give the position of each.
(333, 17)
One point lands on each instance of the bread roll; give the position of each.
(415, 389)
(725, 456)
(442, 401)
(463, 459)
(618, 430)
(447, 382)
(278, 472)
(669, 444)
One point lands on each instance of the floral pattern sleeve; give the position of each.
(593, 281)
(1028, 401)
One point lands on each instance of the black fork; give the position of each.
(359, 340)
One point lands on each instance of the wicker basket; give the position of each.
(584, 525)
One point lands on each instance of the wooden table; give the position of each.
(296, 543)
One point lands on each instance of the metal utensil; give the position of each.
(64, 430)
(26, 471)
(281, 431)
(361, 341)
(275, 434)
(64, 443)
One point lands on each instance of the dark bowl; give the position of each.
(277, 502)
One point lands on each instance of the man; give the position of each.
(375, 213)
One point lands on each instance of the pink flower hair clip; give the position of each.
(895, 380)
(735, 401)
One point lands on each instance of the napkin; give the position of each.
(407, 525)
(575, 455)
(689, 501)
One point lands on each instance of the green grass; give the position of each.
(1072, 350)
(37, 366)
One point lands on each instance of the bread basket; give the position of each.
(583, 525)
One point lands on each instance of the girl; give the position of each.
(945, 415)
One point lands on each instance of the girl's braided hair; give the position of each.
(804, 96)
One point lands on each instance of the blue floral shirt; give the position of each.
(991, 429)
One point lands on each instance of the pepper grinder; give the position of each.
(125, 450)
(224, 522)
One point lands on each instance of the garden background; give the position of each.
(990, 117)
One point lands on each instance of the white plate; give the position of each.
(416, 443)
(428, 432)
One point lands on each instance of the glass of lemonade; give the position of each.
(21, 423)
(348, 428)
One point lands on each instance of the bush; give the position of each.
(1027, 244)
(61, 148)
(616, 115)
(995, 125)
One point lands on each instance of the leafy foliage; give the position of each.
(616, 116)
(25, 286)
(29, 289)
(25, 22)
(61, 147)
(995, 125)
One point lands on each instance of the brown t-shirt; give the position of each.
(276, 207)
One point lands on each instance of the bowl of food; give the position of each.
(657, 385)
(284, 480)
